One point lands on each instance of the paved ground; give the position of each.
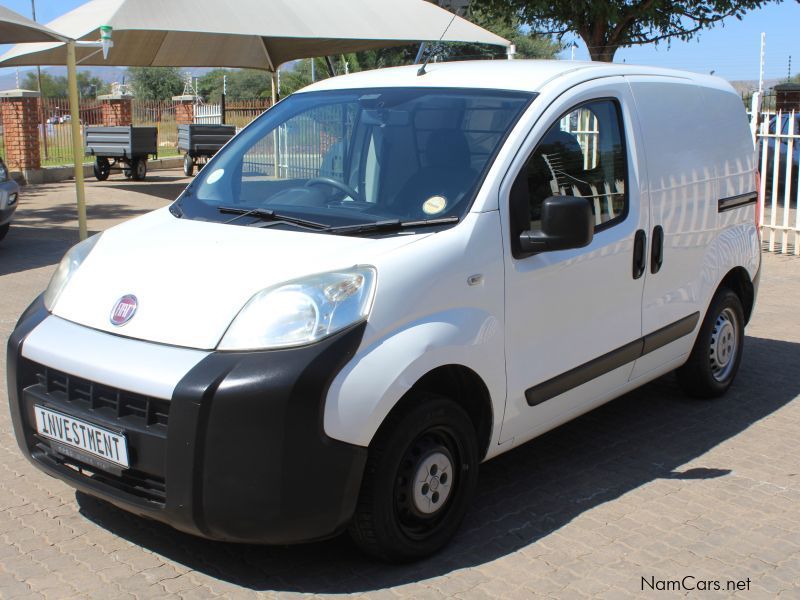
(651, 486)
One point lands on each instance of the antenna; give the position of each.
(422, 70)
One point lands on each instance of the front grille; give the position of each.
(106, 400)
(135, 483)
(142, 419)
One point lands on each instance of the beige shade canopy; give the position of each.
(259, 34)
(16, 29)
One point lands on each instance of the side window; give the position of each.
(582, 154)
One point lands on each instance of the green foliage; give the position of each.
(155, 83)
(606, 25)
(57, 86)
(242, 84)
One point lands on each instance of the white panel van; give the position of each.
(385, 280)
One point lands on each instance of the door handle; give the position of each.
(639, 255)
(657, 249)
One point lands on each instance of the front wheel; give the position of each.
(717, 352)
(419, 481)
(4, 230)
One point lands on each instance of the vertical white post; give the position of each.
(776, 168)
(787, 201)
(761, 62)
(762, 188)
(755, 107)
(511, 52)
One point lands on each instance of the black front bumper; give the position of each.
(241, 456)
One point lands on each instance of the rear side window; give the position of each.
(582, 154)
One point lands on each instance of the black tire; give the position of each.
(432, 435)
(102, 168)
(717, 352)
(188, 165)
(139, 169)
(4, 230)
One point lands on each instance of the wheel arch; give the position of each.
(462, 385)
(739, 282)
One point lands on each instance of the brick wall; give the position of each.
(21, 129)
(116, 110)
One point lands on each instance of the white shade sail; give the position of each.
(16, 29)
(259, 34)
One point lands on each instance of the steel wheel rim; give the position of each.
(724, 345)
(417, 513)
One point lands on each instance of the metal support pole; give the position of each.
(77, 141)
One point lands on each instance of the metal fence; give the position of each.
(778, 138)
(161, 115)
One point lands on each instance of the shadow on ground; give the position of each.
(27, 248)
(523, 495)
(165, 187)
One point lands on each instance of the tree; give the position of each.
(607, 25)
(242, 84)
(155, 83)
(57, 86)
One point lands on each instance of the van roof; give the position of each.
(523, 75)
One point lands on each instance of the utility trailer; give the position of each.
(200, 142)
(121, 148)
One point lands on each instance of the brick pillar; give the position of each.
(21, 130)
(184, 109)
(116, 109)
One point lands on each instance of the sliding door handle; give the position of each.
(639, 253)
(657, 249)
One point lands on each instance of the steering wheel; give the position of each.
(329, 181)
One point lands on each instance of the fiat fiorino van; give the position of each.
(385, 280)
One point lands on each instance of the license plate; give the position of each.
(75, 433)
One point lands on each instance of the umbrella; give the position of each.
(16, 29)
(259, 34)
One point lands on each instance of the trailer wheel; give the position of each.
(102, 168)
(139, 169)
(188, 165)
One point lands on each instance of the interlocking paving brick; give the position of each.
(650, 485)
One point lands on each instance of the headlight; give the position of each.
(302, 311)
(66, 269)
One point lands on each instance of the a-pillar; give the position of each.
(21, 131)
(116, 109)
(184, 109)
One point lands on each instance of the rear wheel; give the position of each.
(188, 165)
(419, 480)
(139, 169)
(717, 352)
(4, 230)
(102, 168)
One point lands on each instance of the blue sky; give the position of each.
(731, 51)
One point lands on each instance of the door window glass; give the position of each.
(582, 154)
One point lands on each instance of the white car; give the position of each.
(435, 268)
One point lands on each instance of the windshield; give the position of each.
(346, 158)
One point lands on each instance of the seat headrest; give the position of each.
(447, 148)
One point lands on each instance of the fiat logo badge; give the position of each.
(124, 310)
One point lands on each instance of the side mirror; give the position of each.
(567, 222)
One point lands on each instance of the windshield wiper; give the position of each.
(390, 225)
(265, 214)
